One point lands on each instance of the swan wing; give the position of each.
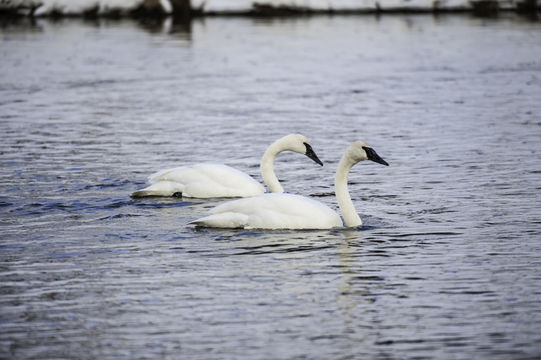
(210, 180)
(272, 211)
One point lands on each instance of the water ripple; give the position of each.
(444, 266)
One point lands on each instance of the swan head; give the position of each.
(360, 151)
(299, 143)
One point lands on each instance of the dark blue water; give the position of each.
(447, 263)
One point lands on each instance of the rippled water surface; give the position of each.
(446, 265)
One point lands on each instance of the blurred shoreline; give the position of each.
(269, 8)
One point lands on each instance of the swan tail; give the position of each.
(161, 188)
(222, 220)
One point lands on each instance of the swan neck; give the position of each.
(267, 167)
(351, 218)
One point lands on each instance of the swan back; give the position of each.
(272, 211)
(208, 181)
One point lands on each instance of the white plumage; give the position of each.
(201, 181)
(272, 211)
(218, 180)
(287, 211)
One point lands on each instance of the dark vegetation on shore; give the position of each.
(182, 10)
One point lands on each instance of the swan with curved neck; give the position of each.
(288, 211)
(217, 180)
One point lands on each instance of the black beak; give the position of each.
(372, 155)
(311, 154)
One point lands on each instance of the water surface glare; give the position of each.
(447, 262)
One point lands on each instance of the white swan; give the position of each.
(217, 180)
(287, 211)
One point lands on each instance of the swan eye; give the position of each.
(372, 155)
